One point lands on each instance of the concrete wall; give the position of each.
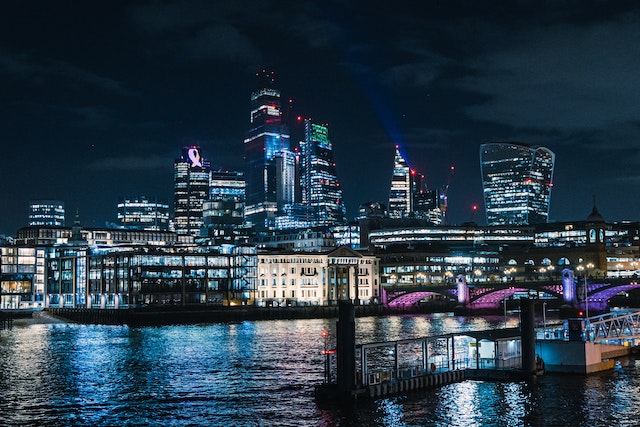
(578, 357)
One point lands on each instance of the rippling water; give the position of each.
(262, 373)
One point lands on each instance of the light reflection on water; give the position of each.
(261, 373)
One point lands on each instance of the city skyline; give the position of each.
(98, 101)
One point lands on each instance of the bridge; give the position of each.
(593, 295)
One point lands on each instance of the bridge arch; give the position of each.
(413, 298)
(598, 294)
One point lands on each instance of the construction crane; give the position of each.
(443, 196)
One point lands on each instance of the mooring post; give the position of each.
(346, 347)
(528, 335)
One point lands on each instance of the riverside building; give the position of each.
(22, 276)
(317, 278)
(423, 255)
(83, 277)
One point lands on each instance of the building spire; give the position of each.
(595, 216)
(76, 235)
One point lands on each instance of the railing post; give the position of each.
(395, 355)
(424, 355)
(363, 366)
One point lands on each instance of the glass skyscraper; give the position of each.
(191, 190)
(143, 213)
(46, 213)
(517, 180)
(224, 211)
(409, 196)
(321, 190)
(400, 193)
(268, 172)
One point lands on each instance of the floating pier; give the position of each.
(372, 370)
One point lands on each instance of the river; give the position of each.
(261, 373)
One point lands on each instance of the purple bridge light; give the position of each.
(597, 294)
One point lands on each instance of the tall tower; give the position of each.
(516, 180)
(266, 140)
(191, 190)
(321, 190)
(400, 194)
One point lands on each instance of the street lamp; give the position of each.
(619, 267)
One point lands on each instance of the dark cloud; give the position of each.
(223, 42)
(317, 33)
(568, 78)
(121, 88)
(40, 70)
(173, 17)
(137, 163)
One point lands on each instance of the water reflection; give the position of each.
(261, 373)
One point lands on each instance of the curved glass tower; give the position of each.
(516, 180)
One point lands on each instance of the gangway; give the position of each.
(614, 326)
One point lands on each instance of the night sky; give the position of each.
(97, 98)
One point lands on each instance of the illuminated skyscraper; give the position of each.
(46, 213)
(268, 179)
(516, 180)
(409, 196)
(143, 213)
(191, 190)
(321, 190)
(400, 194)
(224, 210)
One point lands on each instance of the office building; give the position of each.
(22, 276)
(517, 180)
(266, 153)
(400, 194)
(191, 190)
(52, 236)
(46, 213)
(143, 213)
(319, 182)
(409, 196)
(132, 277)
(224, 210)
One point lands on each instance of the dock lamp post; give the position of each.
(325, 351)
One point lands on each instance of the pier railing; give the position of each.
(386, 361)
